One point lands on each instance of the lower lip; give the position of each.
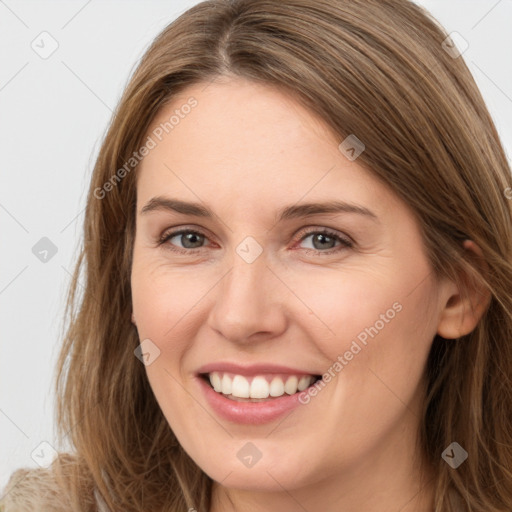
(249, 413)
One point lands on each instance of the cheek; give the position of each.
(384, 358)
(166, 301)
(163, 305)
(343, 304)
(372, 320)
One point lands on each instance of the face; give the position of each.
(251, 288)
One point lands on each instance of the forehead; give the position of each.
(243, 142)
(255, 116)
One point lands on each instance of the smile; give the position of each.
(253, 394)
(258, 387)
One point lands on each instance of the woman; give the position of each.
(296, 256)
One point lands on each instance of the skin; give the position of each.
(246, 151)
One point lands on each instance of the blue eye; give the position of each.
(324, 241)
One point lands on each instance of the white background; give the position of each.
(53, 114)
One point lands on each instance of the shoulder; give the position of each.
(32, 490)
(49, 489)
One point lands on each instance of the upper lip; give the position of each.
(252, 369)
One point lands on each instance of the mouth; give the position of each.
(258, 388)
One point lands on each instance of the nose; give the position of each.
(249, 303)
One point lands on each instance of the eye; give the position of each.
(323, 241)
(189, 238)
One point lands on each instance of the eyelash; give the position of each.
(346, 243)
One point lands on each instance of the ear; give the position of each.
(133, 319)
(463, 309)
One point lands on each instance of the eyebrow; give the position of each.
(294, 211)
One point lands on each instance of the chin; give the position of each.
(268, 474)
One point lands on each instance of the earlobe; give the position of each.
(133, 320)
(464, 308)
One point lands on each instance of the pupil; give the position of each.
(189, 238)
(322, 238)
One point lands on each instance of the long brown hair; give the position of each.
(374, 68)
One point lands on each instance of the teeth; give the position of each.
(291, 385)
(304, 383)
(226, 385)
(277, 387)
(260, 386)
(216, 382)
(240, 387)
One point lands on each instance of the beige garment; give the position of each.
(35, 490)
